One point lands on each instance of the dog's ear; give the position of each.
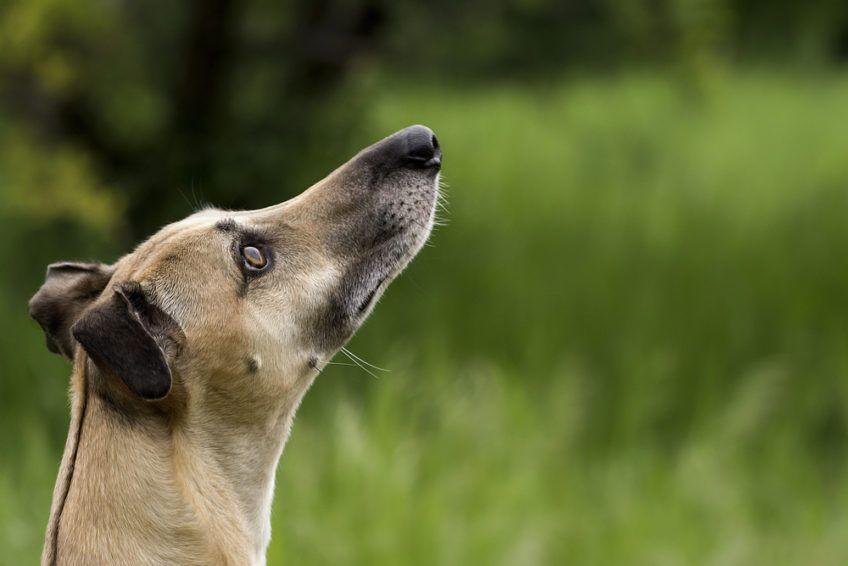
(69, 288)
(128, 336)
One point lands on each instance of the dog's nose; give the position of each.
(415, 147)
(421, 147)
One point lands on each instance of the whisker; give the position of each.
(359, 365)
(185, 198)
(346, 351)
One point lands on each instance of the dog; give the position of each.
(192, 353)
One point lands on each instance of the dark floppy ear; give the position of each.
(69, 288)
(126, 335)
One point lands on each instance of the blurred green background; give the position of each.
(629, 345)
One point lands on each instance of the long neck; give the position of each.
(149, 487)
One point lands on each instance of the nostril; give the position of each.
(435, 142)
(423, 151)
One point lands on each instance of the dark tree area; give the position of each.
(238, 102)
(193, 64)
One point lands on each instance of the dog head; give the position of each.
(247, 304)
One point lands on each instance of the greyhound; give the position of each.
(192, 353)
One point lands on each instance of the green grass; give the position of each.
(629, 345)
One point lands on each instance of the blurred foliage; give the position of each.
(630, 343)
(242, 100)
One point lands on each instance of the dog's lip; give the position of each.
(369, 298)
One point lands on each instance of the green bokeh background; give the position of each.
(628, 344)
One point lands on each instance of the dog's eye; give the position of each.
(254, 258)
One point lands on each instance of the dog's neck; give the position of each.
(188, 488)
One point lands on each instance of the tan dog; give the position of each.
(197, 348)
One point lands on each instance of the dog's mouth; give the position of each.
(388, 195)
(391, 254)
(371, 296)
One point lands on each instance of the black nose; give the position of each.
(415, 147)
(421, 147)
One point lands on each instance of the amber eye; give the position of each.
(254, 258)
